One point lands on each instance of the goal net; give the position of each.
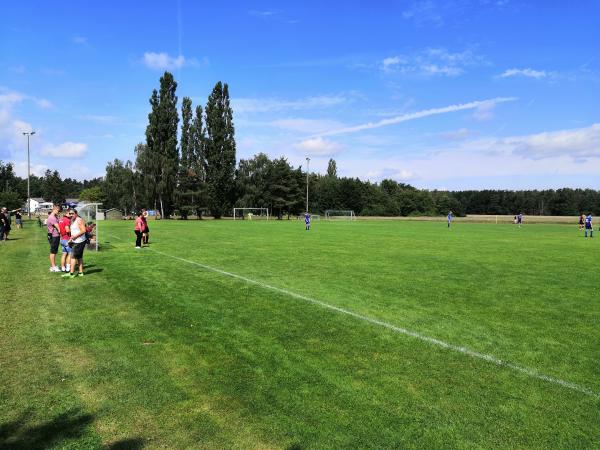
(90, 214)
(250, 213)
(340, 214)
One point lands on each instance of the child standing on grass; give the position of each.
(450, 217)
(589, 226)
(307, 221)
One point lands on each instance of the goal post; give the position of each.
(250, 213)
(340, 214)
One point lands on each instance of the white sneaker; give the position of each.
(63, 269)
(68, 268)
(54, 269)
(138, 248)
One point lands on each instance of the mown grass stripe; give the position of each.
(460, 349)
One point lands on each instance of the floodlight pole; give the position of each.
(307, 171)
(28, 134)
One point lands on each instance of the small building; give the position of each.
(34, 204)
(113, 214)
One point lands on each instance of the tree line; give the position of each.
(187, 166)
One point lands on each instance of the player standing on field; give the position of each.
(307, 221)
(146, 230)
(450, 217)
(589, 226)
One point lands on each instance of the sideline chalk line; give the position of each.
(430, 340)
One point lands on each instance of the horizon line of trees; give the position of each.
(192, 170)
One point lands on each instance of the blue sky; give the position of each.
(454, 94)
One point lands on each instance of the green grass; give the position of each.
(151, 351)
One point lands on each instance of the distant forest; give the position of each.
(188, 166)
(261, 182)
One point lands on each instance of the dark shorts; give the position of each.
(54, 242)
(147, 229)
(588, 226)
(78, 248)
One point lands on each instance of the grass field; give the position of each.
(223, 334)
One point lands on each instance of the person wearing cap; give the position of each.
(77, 242)
(53, 236)
(64, 226)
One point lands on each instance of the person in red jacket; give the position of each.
(64, 228)
(139, 229)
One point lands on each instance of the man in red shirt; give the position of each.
(64, 227)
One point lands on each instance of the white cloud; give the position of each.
(307, 126)
(458, 135)
(43, 103)
(432, 61)
(423, 12)
(401, 175)
(65, 150)
(419, 114)
(484, 111)
(264, 14)
(579, 144)
(248, 105)
(318, 147)
(164, 61)
(81, 40)
(529, 73)
(35, 169)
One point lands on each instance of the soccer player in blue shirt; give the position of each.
(450, 217)
(589, 226)
(307, 221)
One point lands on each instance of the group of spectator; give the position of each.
(6, 221)
(66, 230)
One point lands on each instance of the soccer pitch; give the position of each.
(256, 334)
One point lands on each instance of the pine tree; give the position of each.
(220, 150)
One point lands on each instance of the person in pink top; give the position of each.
(53, 236)
(64, 226)
(139, 229)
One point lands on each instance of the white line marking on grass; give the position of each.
(465, 351)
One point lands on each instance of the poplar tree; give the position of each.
(220, 150)
(161, 163)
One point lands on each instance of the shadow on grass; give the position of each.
(68, 426)
(89, 271)
(19, 434)
(126, 444)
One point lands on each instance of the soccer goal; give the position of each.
(339, 214)
(250, 213)
(90, 213)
